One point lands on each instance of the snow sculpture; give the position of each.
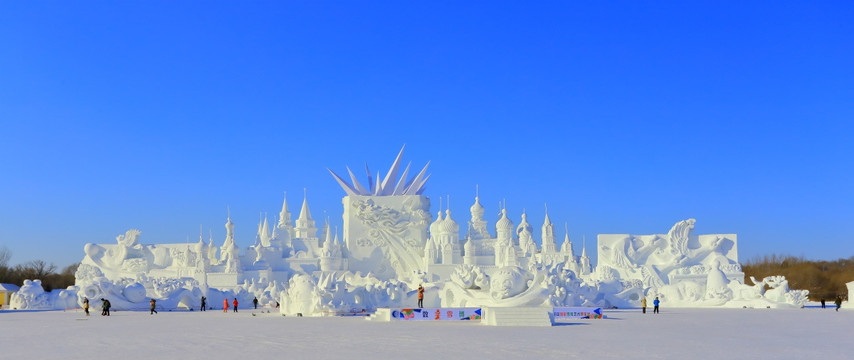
(684, 269)
(31, 296)
(391, 245)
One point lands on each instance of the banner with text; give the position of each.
(577, 313)
(437, 314)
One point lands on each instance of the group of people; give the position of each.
(655, 304)
(838, 302)
(105, 306)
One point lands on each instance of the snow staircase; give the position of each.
(517, 316)
(382, 314)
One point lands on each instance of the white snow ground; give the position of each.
(626, 334)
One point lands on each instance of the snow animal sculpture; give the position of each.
(31, 296)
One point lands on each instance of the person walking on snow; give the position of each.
(105, 306)
(643, 305)
(86, 306)
(655, 305)
(225, 305)
(153, 304)
(420, 296)
(235, 304)
(255, 302)
(838, 302)
(203, 303)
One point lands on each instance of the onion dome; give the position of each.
(504, 223)
(449, 226)
(524, 225)
(477, 209)
(434, 227)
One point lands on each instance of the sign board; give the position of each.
(577, 313)
(437, 314)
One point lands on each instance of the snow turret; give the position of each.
(305, 228)
(470, 252)
(430, 252)
(434, 227)
(584, 260)
(477, 225)
(566, 248)
(549, 246)
(504, 227)
(265, 234)
(285, 215)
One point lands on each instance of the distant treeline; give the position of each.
(36, 269)
(824, 279)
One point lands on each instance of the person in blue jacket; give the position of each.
(655, 305)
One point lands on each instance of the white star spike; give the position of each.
(344, 185)
(391, 176)
(391, 185)
(359, 188)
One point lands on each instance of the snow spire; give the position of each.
(548, 220)
(567, 244)
(304, 224)
(304, 214)
(285, 214)
(265, 232)
(583, 246)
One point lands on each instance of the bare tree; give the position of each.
(39, 269)
(5, 256)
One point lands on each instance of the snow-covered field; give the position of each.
(626, 334)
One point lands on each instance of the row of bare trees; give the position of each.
(824, 279)
(36, 269)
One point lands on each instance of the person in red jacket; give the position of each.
(235, 304)
(225, 305)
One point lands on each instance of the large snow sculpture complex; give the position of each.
(392, 244)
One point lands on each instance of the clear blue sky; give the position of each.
(625, 117)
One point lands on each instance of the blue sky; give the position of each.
(625, 117)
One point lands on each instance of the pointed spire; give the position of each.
(265, 230)
(305, 214)
(548, 220)
(328, 234)
(285, 214)
(583, 246)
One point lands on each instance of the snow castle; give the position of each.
(392, 244)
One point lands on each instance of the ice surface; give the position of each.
(627, 334)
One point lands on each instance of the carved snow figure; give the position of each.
(507, 282)
(302, 296)
(31, 296)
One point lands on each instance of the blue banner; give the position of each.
(437, 314)
(577, 313)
